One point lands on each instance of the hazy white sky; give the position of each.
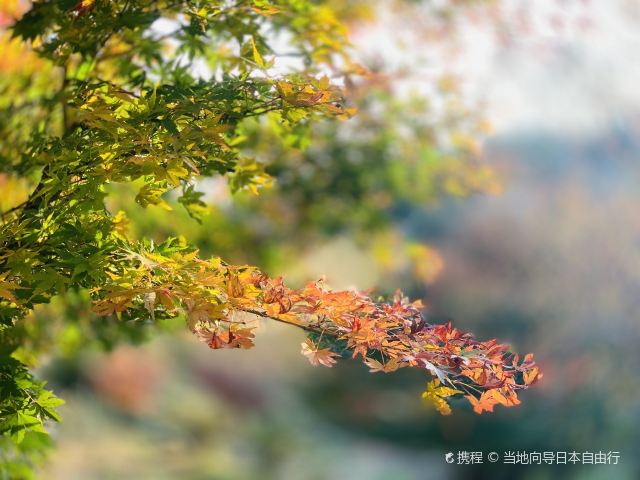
(569, 66)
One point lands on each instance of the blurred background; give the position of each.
(492, 171)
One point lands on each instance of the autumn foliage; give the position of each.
(221, 303)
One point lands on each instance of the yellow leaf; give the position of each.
(436, 394)
(265, 9)
(530, 376)
(256, 54)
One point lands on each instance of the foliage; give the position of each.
(216, 297)
(155, 94)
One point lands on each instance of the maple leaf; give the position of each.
(531, 376)
(376, 366)
(230, 337)
(316, 356)
(436, 393)
(490, 398)
(242, 337)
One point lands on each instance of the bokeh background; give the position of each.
(493, 171)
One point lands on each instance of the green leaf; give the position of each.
(150, 194)
(192, 202)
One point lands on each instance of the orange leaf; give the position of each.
(317, 356)
(376, 366)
